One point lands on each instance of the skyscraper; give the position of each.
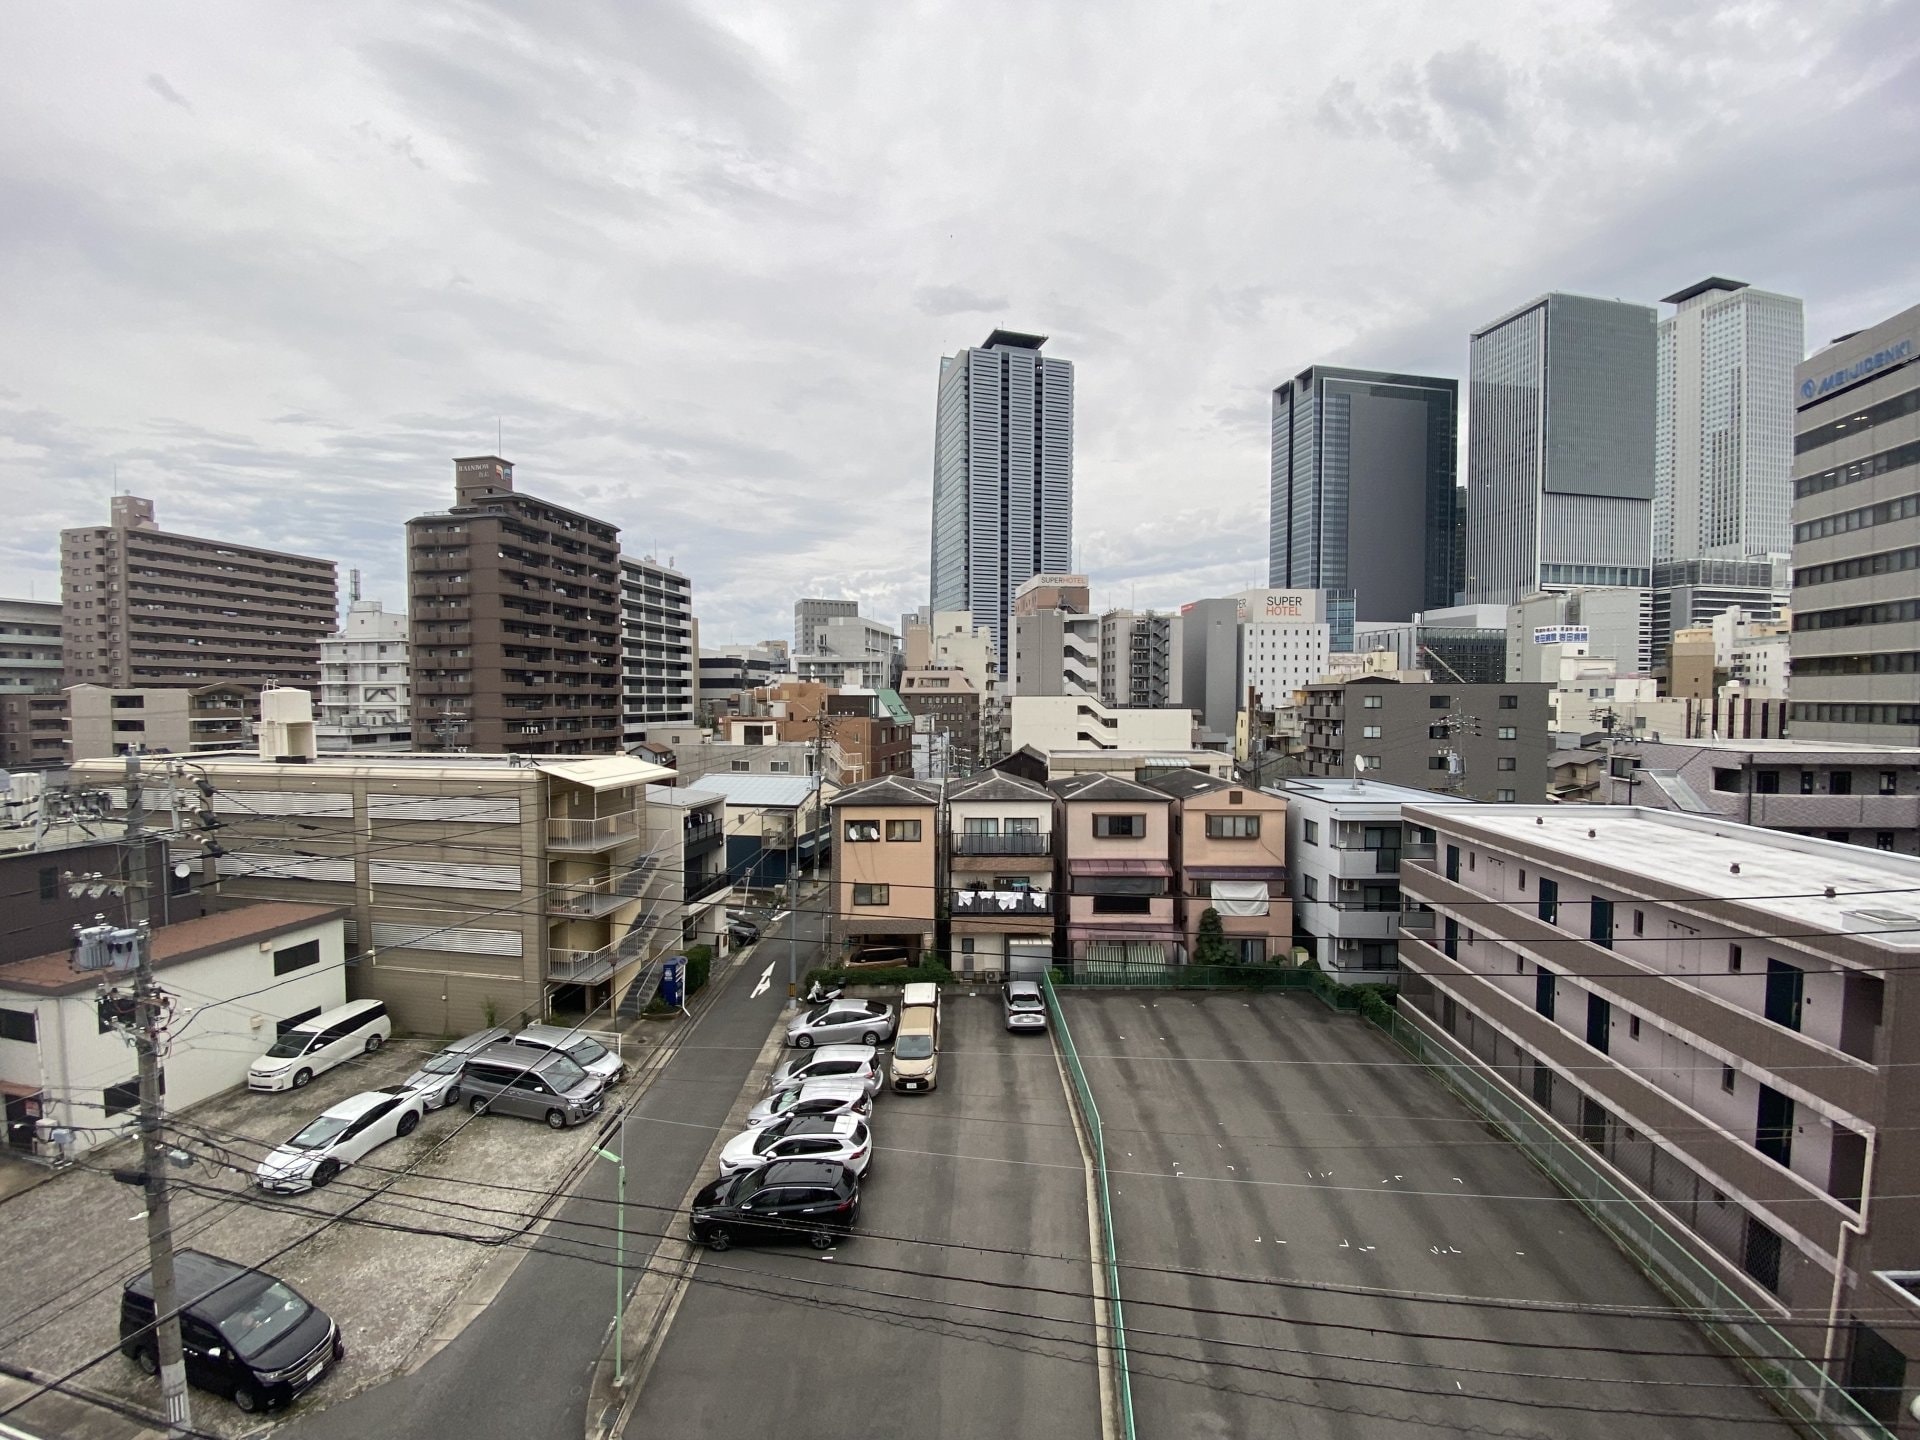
(1560, 448)
(1723, 422)
(1361, 494)
(1002, 477)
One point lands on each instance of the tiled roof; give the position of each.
(889, 790)
(1104, 787)
(996, 785)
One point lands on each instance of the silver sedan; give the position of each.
(807, 1137)
(437, 1082)
(830, 1062)
(842, 1022)
(815, 1097)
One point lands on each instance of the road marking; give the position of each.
(766, 980)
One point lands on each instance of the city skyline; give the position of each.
(720, 373)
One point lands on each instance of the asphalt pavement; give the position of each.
(1267, 1137)
(522, 1367)
(918, 1325)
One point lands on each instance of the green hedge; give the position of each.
(699, 966)
(934, 973)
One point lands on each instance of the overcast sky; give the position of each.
(275, 266)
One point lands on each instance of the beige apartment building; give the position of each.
(478, 888)
(1002, 903)
(103, 720)
(1230, 855)
(886, 869)
(1121, 906)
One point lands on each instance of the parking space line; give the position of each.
(1102, 1317)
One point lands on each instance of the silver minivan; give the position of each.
(509, 1079)
(585, 1051)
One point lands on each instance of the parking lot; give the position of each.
(920, 1324)
(1267, 1137)
(74, 1238)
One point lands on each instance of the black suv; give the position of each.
(245, 1333)
(814, 1200)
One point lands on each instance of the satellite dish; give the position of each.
(182, 870)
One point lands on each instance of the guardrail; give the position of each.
(1083, 1094)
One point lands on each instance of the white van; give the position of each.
(315, 1046)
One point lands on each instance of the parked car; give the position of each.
(338, 1136)
(244, 1333)
(1025, 1007)
(742, 932)
(916, 1048)
(438, 1081)
(845, 1138)
(813, 1097)
(316, 1045)
(830, 1062)
(812, 1200)
(510, 1079)
(870, 1022)
(585, 1051)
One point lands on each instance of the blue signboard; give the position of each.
(673, 981)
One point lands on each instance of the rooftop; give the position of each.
(775, 792)
(1802, 883)
(1370, 792)
(597, 772)
(1701, 287)
(1014, 340)
(1104, 787)
(890, 790)
(996, 785)
(1790, 749)
(682, 797)
(173, 944)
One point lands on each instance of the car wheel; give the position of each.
(373, 1043)
(869, 1038)
(301, 1077)
(247, 1398)
(478, 1104)
(408, 1123)
(803, 1041)
(324, 1172)
(148, 1361)
(556, 1119)
(719, 1238)
(820, 1240)
(453, 1098)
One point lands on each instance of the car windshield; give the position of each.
(913, 1047)
(818, 1013)
(321, 1132)
(447, 1062)
(264, 1319)
(784, 1101)
(1026, 1002)
(764, 1139)
(293, 1043)
(583, 1051)
(563, 1074)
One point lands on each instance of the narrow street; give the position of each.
(522, 1368)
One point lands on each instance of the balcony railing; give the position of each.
(1001, 904)
(968, 843)
(596, 834)
(599, 896)
(698, 887)
(582, 966)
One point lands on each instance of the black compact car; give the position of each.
(812, 1200)
(742, 932)
(244, 1333)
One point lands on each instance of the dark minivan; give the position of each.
(245, 1333)
(812, 1200)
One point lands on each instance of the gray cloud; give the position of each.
(700, 262)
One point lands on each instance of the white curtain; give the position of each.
(1239, 897)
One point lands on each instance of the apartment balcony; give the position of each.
(1000, 904)
(1833, 812)
(1355, 860)
(704, 839)
(443, 687)
(582, 967)
(699, 887)
(603, 832)
(968, 843)
(590, 899)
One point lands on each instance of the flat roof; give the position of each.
(598, 772)
(1785, 749)
(1347, 791)
(173, 944)
(1014, 339)
(1806, 883)
(682, 797)
(1701, 287)
(778, 791)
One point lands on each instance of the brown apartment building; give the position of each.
(141, 607)
(515, 622)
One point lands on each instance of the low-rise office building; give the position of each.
(1000, 862)
(1718, 1015)
(886, 870)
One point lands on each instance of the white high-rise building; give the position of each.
(1002, 478)
(364, 693)
(1723, 423)
(657, 659)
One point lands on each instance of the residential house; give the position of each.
(886, 870)
(1000, 862)
(776, 826)
(691, 843)
(1121, 907)
(1230, 856)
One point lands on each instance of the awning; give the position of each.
(1168, 933)
(1270, 873)
(606, 772)
(1120, 867)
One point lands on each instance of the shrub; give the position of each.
(699, 966)
(935, 973)
(1210, 944)
(1376, 1003)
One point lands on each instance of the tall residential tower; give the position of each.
(1560, 449)
(1002, 477)
(1362, 488)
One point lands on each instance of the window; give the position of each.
(1633, 1027)
(1439, 702)
(1725, 780)
(1508, 732)
(1437, 732)
(1639, 922)
(1548, 901)
(1806, 782)
(872, 895)
(1507, 762)
(21, 1025)
(50, 882)
(1733, 959)
(1504, 797)
(1120, 827)
(1310, 832)
(739, 765)
(1123, 904)
(1233, 827)
(1371, 702)
(1509, 702)
(903, 829)
(1310, 887)
(1766, 782)
(1889, 782)
(1883, 839)
(121, 1099)
(781, 767)
(1369, 732)
(1436, 762)
(1600, 922)
(1369, 762)
(1840, 783)
(857, 831)
(1726, 1078)
(296, 957)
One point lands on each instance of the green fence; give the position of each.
(1097, 974)
(1091, 1114)
(1799, 1385)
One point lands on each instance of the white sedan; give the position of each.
(813, 1097)
(845, 1138)
(830, 1062)
(341, 1135)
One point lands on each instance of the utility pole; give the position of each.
(149, 1012)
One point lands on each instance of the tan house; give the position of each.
(1230, 855)
(1000, 888)
(886, 850)
(1120, 905)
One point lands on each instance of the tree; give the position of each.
(1210, 946)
